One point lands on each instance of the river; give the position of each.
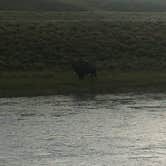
(125, 129)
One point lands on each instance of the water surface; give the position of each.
(103, 130)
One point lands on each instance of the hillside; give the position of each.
(38, 5)
(80, 5)
(116, 40)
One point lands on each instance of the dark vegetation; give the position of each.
(36, 51)
(115, 44)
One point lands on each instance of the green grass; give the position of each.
(54, 82)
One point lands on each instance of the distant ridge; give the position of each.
(84, 5)
(45, 5)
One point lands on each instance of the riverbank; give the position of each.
(48, 41)
(34, 83)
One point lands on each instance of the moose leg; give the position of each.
(93, 75)
(81, 76)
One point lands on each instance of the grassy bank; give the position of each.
(53, 82)
(123, 45)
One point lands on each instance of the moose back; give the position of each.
(84, 68)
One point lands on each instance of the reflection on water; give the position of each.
(103, 130)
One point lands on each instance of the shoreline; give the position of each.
(35, 83)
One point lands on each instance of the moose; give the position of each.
(84, 68)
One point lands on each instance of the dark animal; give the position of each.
(84, 68)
